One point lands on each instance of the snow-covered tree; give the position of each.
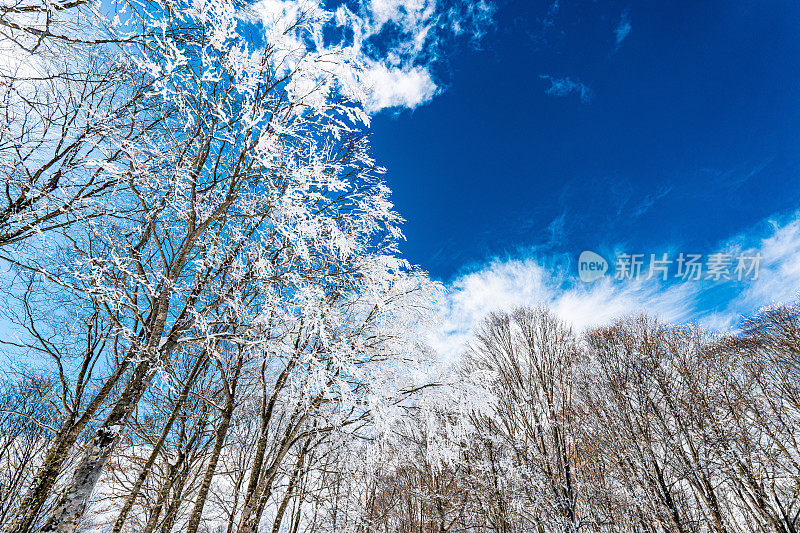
(246, 218)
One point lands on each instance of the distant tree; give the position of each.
(533, 360)
(759, 433)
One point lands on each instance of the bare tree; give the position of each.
(248, 199)
(533, 359)
(70, 104)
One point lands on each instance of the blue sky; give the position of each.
(687, 132)
(518, 133)
(648, 127)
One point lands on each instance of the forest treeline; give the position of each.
(207, 325)
(634, 426)
(637, 426)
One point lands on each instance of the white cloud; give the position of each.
(386, 51)
(399, 74)
(566, 86)
(407, 13)
(506, 284)
(779, 271)
(389, 87)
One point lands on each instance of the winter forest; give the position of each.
(207, 325)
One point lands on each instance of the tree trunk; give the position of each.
(276, 526)
(123, 514)
(57, 455)
(222, 431)
(71, 505)
(73, 501)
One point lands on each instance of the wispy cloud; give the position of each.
(623, 28)
(550, 18)
(506, 284)
(557, 229)
(779, 275)
(388, 50)
(567, 86)
(650, 200)
(399, 73)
